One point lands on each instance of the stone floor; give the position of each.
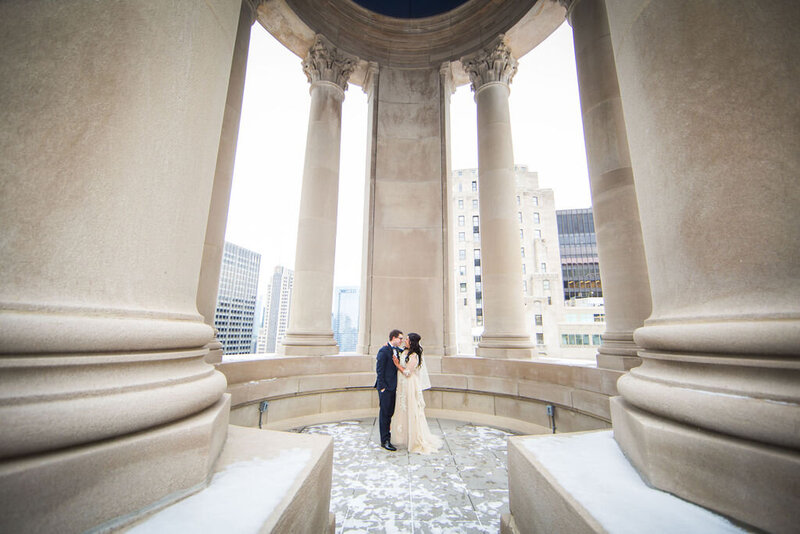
(461, 489)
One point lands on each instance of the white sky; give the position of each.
(265, 199)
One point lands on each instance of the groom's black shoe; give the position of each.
(388, 446)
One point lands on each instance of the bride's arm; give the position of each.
(411, 366)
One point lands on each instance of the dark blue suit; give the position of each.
(386, 381)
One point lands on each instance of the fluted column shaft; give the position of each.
(208, 286)
(108, 143)
(505, 332)
(710, 99)
(309, 331)
(623, 268)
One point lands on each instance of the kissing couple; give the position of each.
(401, 379)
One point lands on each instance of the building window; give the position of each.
(523, 268)
(461, 220)
(478, 312)
(522, 251)
(525, 287)
(544, 267)
(478, 287)
(476, 222)
(474, 203)
(476, 254)
(549, 301)
(537, 234)
(477, 269)
(462, 254)
(519, 216)
(536, 218)
(596, 340)
(599, 317)
(461, 203)
(519, 200)
(545, 284)
(535, 201)
(521, 234)
(539, 338)
(564, 339)
(463, 287)
(474, 185)
(462, 270)
(462, 236)
(460, 188)
(537, 319)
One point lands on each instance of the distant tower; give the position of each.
(236, 299)
(276, 310)
(580, 264)
(345, 318)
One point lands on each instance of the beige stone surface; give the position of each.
(405, 235)
(623, 269)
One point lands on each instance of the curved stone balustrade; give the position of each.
(509, 394)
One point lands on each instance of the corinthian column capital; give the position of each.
(494, 63)
(325, 63)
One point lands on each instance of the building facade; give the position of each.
(345, 318)
(580, 264)
(539, 255)
(234, 318)
(277, 308)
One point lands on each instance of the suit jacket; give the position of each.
(385, 369)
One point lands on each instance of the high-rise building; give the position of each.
(345, 318)
(276, 310)
(236, 299)
(541, 274)
(580, 265)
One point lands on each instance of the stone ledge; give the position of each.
(582, 483)
(243, 496)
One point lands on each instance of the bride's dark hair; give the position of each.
(413, 346)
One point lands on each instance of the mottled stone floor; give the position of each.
(461, 489)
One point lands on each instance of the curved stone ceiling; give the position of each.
(410, 9)
(416, 42)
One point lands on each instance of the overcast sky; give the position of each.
(265, 200)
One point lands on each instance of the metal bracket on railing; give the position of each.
(262, 407)
(551, 412)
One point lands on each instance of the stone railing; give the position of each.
(510, 394)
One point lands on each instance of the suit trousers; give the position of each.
(387, 401)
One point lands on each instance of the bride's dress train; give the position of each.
(409, 425)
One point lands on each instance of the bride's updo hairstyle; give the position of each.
(413, 345)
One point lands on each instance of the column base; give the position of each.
(751, 482)
(510, 347)
(214, 352)
(618, 352)
(105, 485)
(308, 345)
(582, 483)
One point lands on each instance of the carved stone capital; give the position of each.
(568, 5)
(371, 78)
(325, 63)
(492, 64)
(253, 5)
(446, 75)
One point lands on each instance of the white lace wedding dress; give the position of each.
(409, 425)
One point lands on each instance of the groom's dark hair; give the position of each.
(394, 333)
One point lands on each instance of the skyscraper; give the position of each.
(345, 318)
(276, 310)
(580, 265)
(236, 299)
(541, 276)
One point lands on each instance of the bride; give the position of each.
(409, 426)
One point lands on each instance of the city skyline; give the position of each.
(548, 138)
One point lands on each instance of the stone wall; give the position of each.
(510, 394)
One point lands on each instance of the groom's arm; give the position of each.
(380, 368)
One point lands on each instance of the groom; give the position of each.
(386, 384)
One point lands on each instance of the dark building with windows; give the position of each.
(577, 243)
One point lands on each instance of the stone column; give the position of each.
(623, 269)
(710, 99)
(208, 286)
(406, 239)
(505, 332)
(310, 331)
(108, 143)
